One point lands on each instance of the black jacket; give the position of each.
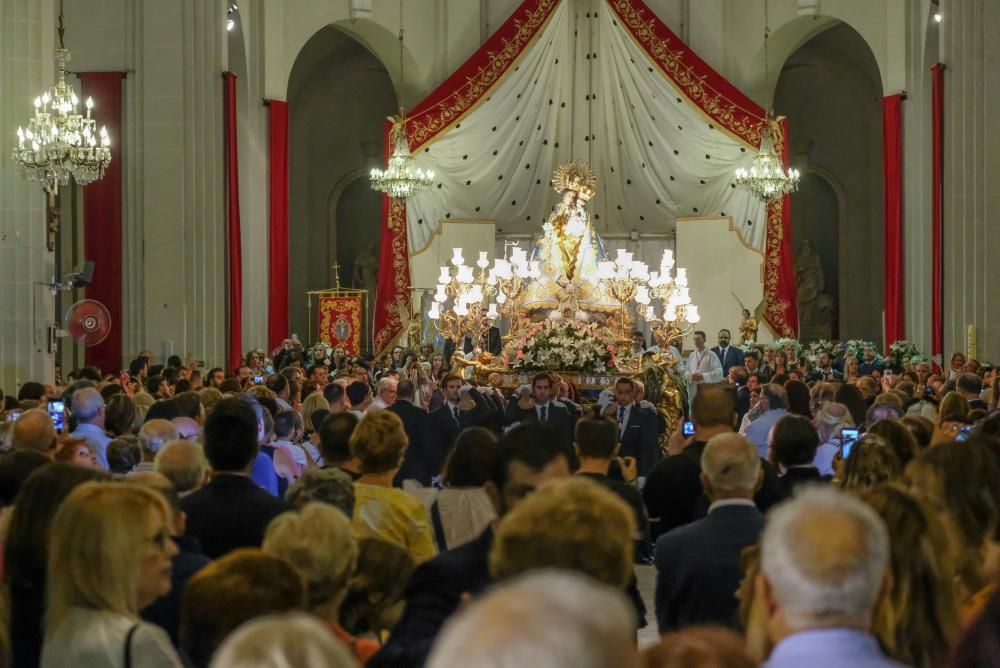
(424, 456)
(557, 415)
(698, 568)
(640, 438)
(433, 595)
(230, 512)
(444, 428)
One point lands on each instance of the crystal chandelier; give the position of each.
(401, 178)
(767, 177)
(59, 142)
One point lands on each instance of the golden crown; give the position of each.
(576, 176)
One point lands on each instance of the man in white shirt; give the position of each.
(703, 366)
(385, 392)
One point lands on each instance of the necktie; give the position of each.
(621, 418)
(724, 352)
(541, 415)
(454, 412)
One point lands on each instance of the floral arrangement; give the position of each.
(781, 344)
(567, 345)
(813, 350)
(902, 352)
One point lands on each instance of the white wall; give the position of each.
(26, 310)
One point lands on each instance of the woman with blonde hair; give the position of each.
(314, 402)
(382, 511)
(820, 395)
(317, 542)
(109, 557)
(280, 641)
(959, 481)
(852, 369)
(872, 461)
(918, 619)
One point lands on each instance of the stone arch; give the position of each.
(334, 135)
(831, 89)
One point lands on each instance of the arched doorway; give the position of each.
(830, 89)
(339, 95)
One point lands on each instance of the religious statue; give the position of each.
(365, 266)
(816, 307)
(748, 328)
(569, 250)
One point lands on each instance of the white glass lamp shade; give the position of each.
(465, 274)
(682, 277)
(692, 315)
(670, 313)
(456, 257)
(642, 295)
(445, 275)
(492, 311)
(483, 260)
(440, 296)
(605, 270)
(434, 313)
(501, 298)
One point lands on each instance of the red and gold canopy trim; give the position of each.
(444, 107)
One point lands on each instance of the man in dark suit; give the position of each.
(728, 355)
(538, 404)
(637, 429)
(230, 511)
(673, 492)
(456, 413)
(527, 456)
(698, 567)
(424, 455)
(824, 370)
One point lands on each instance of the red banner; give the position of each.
(892, 180)
(234, 247)
(340, 322)
(937, 209)
(102, 218)
(277, 264)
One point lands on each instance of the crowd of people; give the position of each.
(311, 508)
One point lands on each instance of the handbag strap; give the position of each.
(128, 645)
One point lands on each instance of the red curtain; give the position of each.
(102, 218)
(277, 268)
(892, 182)
(234, 250)
(937, 209)
(781, 296)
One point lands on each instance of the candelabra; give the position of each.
(679, 315)
(510, 278)
(624, 280)
(471, 311)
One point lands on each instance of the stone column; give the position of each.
(175, 245)
(26, 309)
(971, 38)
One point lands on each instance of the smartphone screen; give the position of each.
(688, 428)
(57, 411)
(963, 433)
(258, 380)
(13, 415)
(847, 439)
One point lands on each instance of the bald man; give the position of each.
(184, 464)
(153, 435)
(34, 431)
(187, 428)
(698, 565)
(88, 409)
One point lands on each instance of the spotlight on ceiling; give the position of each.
(230, 24)
(937, 17)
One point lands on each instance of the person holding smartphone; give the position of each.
(88, 409)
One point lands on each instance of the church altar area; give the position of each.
(606, 82)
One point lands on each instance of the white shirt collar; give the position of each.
(721, 503)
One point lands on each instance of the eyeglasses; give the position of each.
(161, 540)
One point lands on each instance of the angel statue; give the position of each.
(748, 328)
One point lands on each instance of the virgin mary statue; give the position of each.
(568, 252)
